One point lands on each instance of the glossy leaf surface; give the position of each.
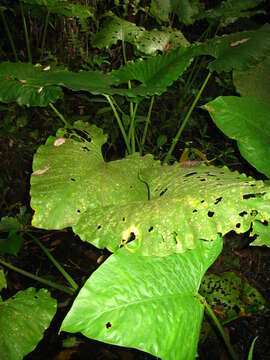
(148, 303)
(167, 208)
(247, 121)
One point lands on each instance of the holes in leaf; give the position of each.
(123, 219)
(150, 229)
(190, 174)
(163, 192)
(238, 225)
(195, 210)
(203, 180)
(253, 212)
(210, 214)
(99, 227)
(78, 211)
(72, 179)
(128, 239)
(131, 237)
(218, 200)
(85, 148)
(248, 196)
(243, 213)
(108, 325)
(202, 201)
(76, 133)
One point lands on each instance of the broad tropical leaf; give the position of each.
(186, 10)
(255, 81)
(156, 74)
(167, 208)
(147, 42)
(149, 303)
(228, 12)
(247, 121)
(23, 319)
(25, 84)
(239, 50)
(63, 8)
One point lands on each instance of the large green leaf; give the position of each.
(238, 50)
(63, 8)
(156, 73)
(25, 84)
(230, 11)
(246, 120)
(76, 176)
(149, 303)
(37, 86)
(23, 320)
(167, 208)
(255, 81)
(147, 42)
(186, 10)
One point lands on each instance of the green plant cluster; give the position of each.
(163, 223)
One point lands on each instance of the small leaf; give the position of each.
(23, 320)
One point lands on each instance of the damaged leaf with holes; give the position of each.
(231, 297)
(167, 209)
(147, 42)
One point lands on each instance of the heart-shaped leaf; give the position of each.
(167, 208)
(149, 303)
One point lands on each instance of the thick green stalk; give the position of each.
(61, 117)
(44, 35)
(212, 315)
(12, 45)
(180, 130)
(52, 284)
(27, 41)
(119, 122)
(147, 122)
(59, 267)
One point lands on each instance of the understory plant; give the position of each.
(164, 224)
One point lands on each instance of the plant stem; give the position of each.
(212, 315)
(119, 122)
(25, 33)
(59, 267)
(61, 117)
(63, 288)
(9, 35)
(180, 130)
(147, 122)
(44, 34)
(132, 110)
(131, 132)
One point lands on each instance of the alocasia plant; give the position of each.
(163, 224)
